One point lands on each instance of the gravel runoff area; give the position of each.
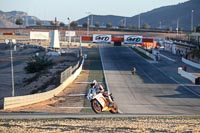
(132, 124)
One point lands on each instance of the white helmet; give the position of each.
(93, 83)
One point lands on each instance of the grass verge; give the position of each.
(94, 65)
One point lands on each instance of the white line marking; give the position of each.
(82, 82)
(105, 74)
(74, 107)
(103, 68)
(85, 82)
(167, 58)
(75, 95)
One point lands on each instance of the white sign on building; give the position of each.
(102, 38)
(132, 39)
(39, 35)
(70, 33)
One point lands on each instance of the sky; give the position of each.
(77, 9)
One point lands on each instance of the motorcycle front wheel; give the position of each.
(96, 106)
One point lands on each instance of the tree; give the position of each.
(198, 28)
(61, 24)
(97, 24)
(85, 25)
(109, 25)
(19, 21)
(169, 29)
(146, 26)
(73, 24)
(38, 23)
(53, 23)
(132, 27)
(121, 24)
(37, 63)
(180, 29)
(195, 52)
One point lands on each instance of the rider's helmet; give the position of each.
(93, 83)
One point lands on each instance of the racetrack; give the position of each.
(149, 91)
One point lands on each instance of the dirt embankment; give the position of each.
(72, 99)
(27, 83)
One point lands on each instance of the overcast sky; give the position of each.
(76, 9)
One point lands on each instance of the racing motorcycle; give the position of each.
(99, 103)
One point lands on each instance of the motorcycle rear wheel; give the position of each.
(96, 106)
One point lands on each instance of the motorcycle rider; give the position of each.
(133, 70)
(99, 88)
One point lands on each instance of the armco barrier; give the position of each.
(187, 75)
(190, 63)
(12, 102)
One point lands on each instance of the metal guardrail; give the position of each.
(69, 71)
(12, 102)
(65, 74)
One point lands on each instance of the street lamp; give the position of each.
(88, 26)
(139, 21)
(160, 24)
(88, 23)
(177, 26)
(69, 41)
(92, 19)
(192, 17)
(124, 22)
(68, 23)
(11, 42)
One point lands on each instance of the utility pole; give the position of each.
(12, 71)
(124, 22)
(160, 24)
(92, 19)
(88, 26)
(192, 17)
(11, 42)
(177, 26)
(139, 21)
(88, 23)
(69, 41)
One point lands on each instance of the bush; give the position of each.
(37, 63)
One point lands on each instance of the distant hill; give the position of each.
(163, 17)
(7, 19)
(102, 20)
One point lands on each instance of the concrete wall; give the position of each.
(146, 53)
(196, 65)
(12, 102)
(187, 75)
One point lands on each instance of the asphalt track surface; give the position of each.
(153, 90)
(150, 91)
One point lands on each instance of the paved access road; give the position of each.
(151, 90)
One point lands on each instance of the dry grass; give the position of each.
(134, 124)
